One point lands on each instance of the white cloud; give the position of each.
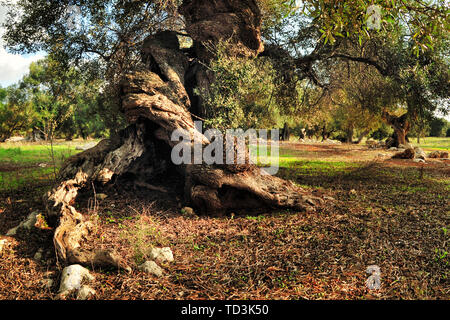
(13, 66)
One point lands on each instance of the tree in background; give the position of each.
(298, 35)
(59, 96)
(438, 127)
(355, 121)
(421, 127)
(382, 133)
(16, 112)
(359, 92)
(49, 90)
(247, 93)
(410, 55)
(104, 41)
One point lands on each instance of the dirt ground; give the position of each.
(390, 213)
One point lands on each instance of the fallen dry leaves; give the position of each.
(395, 219)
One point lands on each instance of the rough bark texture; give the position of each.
(401, 126)
(208, 22)
(130, 152)
(156, 101)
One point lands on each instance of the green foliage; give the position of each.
(15, 112)
(142, 235)
(243, 93)
(382, 133)
(54, 100)
(57, 94)
(425, 20)
(438, 127)
(104, 41)
(410, 51)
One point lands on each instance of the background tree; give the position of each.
(409, 59)
(421, 127)
(102, 37)
(59, 97)
(247, 93)
(438, 127)
(15, 112)
(297, 35)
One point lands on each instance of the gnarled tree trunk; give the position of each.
(401, 126)
(157, 100)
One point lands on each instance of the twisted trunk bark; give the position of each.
(401, 126)
(157, 101)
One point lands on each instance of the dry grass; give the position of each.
(389, 213)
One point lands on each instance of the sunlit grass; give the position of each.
(28, 154)
(433, 143)
(13, 180)
(300, 160)
(23, 164)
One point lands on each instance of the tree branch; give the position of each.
(368, 61)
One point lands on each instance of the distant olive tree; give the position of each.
(15, 112)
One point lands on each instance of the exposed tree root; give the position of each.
(156, 102)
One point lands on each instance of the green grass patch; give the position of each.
(317, 166)
(14, 180)
(433, 143)
(410, 189)
(20, 164)
(28, 154)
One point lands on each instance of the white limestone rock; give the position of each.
(152, 268)
(85, 293)
(71, 279)
(27, 224)
(161, 255)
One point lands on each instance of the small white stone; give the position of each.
(2, 245)
(85, 293)
(38, 255)
(27, 224)
(162, 255)
(152, 268)
(72, 277)
(31, 220)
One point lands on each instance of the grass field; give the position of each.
(432, 143)
(392, 213)
(25, 164)
(34, 153)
